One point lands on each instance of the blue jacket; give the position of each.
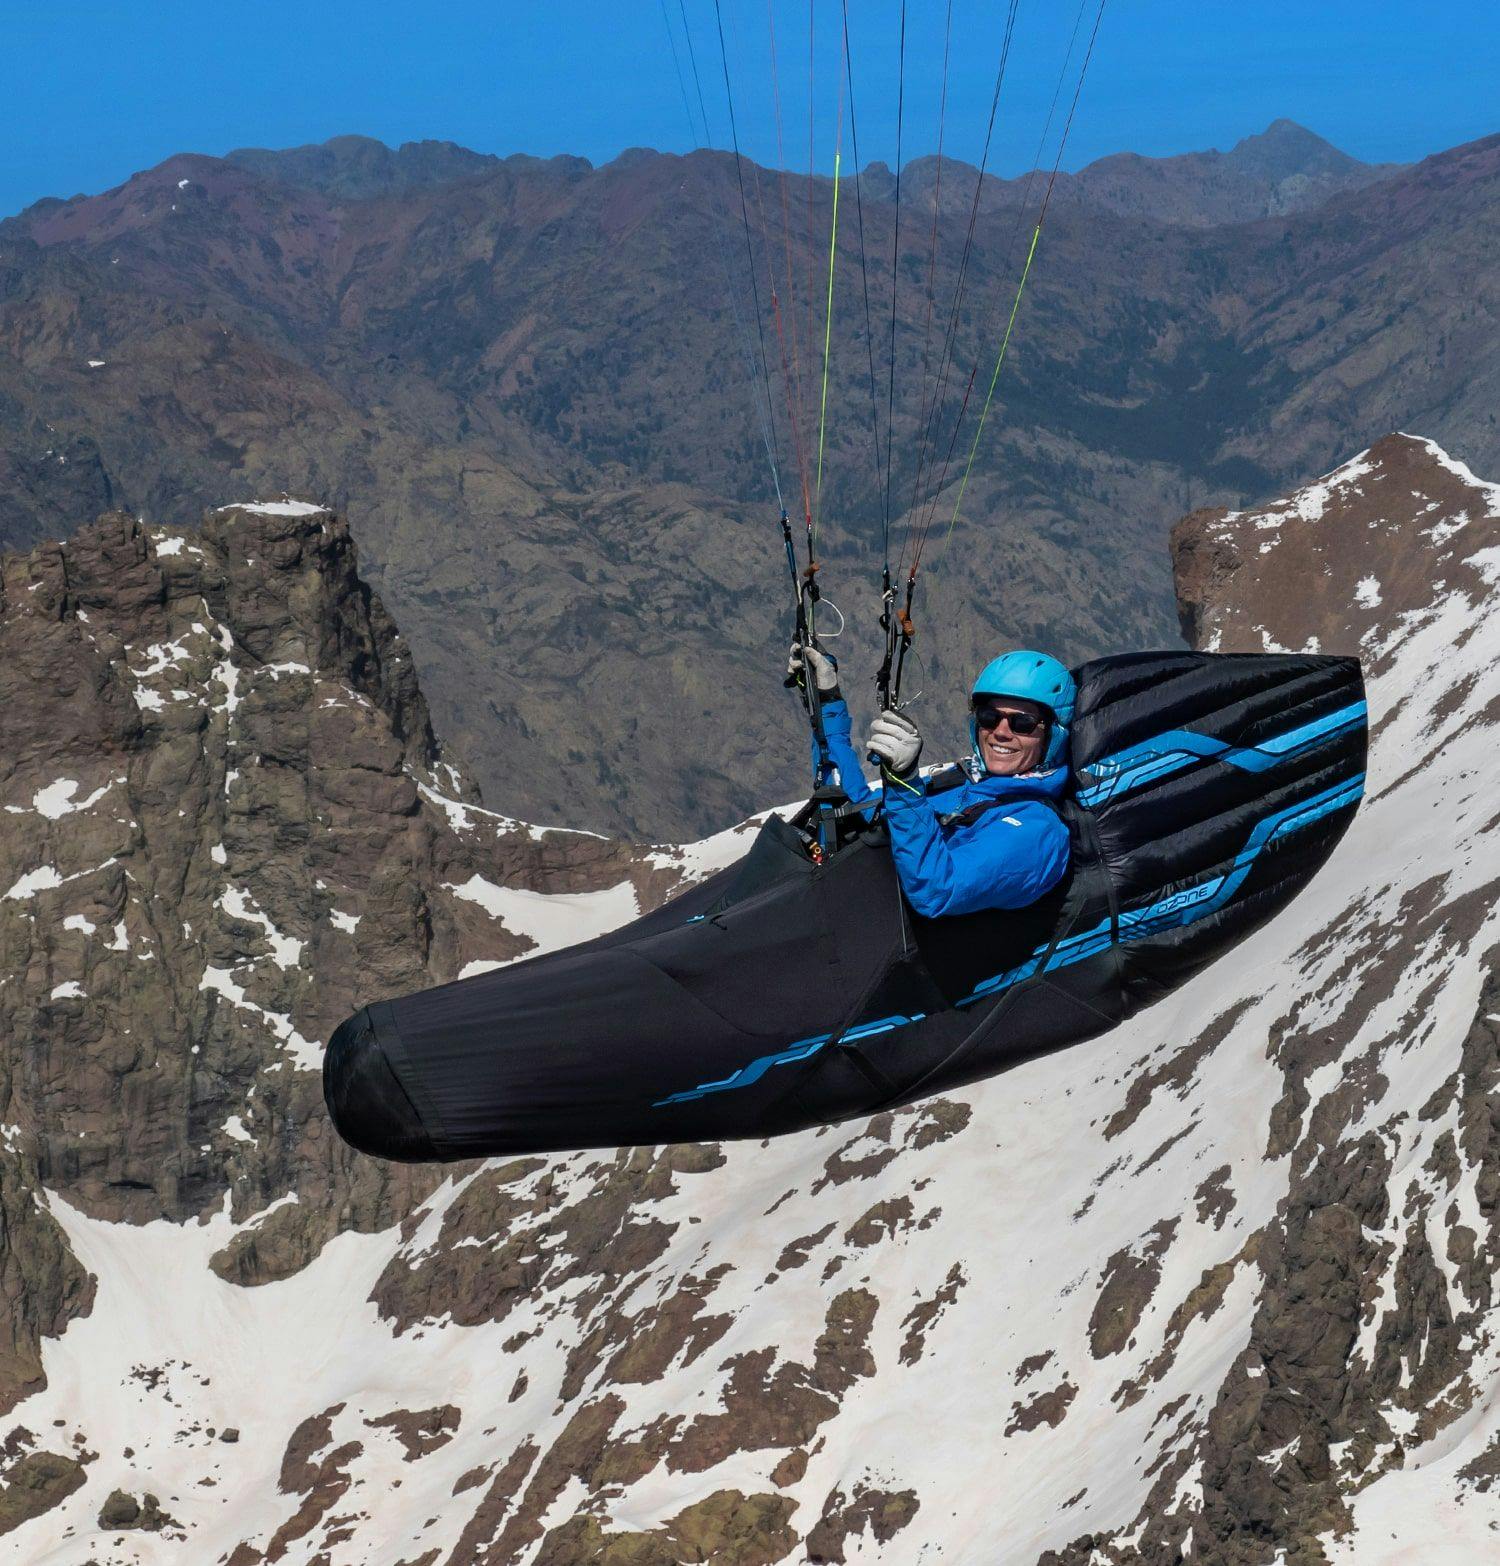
(1006, 859)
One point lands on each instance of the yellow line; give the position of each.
(985, 412)
(833, 236)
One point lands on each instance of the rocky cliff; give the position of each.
(225, 818)
(1216, 1287)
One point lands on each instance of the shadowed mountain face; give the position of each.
(1218, 1286)
(522, 378)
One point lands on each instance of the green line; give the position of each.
(833, 236)
(985, 412)
(886, 772)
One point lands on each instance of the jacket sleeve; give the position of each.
(1017, 854)
(836, 727)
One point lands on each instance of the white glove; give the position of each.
(825, 670)
(896, 742)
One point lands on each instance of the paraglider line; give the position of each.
(739, 173)
(720, 223)
(833, 238)
(1036, 236)
(864, 277)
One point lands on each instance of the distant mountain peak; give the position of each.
(1285, 149)
(1288, 132)
(1284, 168)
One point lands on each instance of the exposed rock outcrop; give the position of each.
(227, 823)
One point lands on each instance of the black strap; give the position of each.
(865, 1066)
(949, 778)
(971, 813)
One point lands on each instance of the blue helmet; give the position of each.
(1034, 677)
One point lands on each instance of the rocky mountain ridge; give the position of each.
(223, 792)
(535, 364)
(1284, 169)
(1216, 1287)
(359, 167)
(1279, 170)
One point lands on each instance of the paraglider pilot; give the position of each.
(988, 835)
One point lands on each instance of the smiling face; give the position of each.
(1006, 754)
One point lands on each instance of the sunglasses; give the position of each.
(1021, 723)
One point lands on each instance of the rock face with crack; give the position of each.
(226, 822)
(1215, 1287)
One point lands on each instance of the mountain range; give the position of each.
(1217, 1287)
(522, 381)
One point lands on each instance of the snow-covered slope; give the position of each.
(1216, 1287)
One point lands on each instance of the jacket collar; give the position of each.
(1050, 784)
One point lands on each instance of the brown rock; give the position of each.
(420, 1432)
(123, 1512)
(35, 1484)
(880, 1513)
(1129, 1280)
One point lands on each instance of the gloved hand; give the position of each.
(895, 742)
(825, 670)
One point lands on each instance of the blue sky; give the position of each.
(91, 91)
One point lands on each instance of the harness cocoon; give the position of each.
(779, 994)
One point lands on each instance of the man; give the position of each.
(994, 838)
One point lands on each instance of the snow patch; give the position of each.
(1463, 471)
(695, 861)
(161, 656)
(472, 970)
(56, 800)
(227, 674)
(45, 877)
(465, 818)
(286, 950)
(277, 508)
(1309, 504)
(306, 1056)
(551, 919)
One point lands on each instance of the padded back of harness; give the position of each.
(1216, 784)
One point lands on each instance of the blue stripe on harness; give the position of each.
(1177, 749)
(1177, 909)
(793, 1052)
(1182, 907)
